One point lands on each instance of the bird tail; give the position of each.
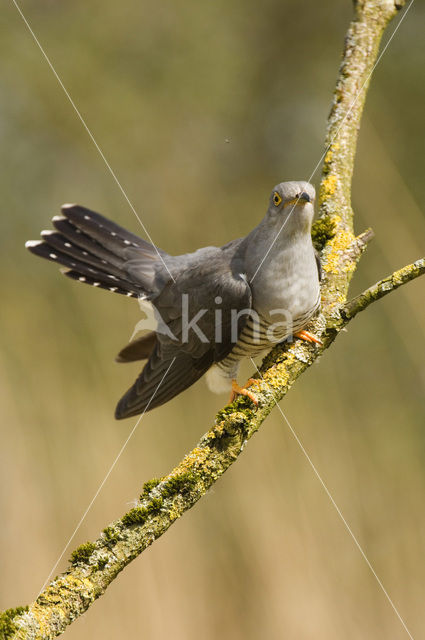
(99, 252)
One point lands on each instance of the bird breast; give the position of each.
(288, 281)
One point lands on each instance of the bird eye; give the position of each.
(276, 199)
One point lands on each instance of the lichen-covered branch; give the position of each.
(94, 565)
(382, 288)
(336, 220)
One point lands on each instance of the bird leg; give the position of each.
(243, 391)
(307, 336)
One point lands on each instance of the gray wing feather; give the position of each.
(204, 276)
(160, 380)
(318, 264)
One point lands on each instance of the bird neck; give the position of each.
(290, 242)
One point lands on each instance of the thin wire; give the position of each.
(328, 493)
(105, 478)
(337, 132)
(83, 122)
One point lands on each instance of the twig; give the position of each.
(382, 288)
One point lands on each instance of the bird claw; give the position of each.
(308, 337)
(244, 391)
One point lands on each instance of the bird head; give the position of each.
(292, 204)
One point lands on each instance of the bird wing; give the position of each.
(318, 264)
(99, 252)
(211, 294)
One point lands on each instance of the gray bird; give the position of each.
(216, 305)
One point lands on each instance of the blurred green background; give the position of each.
(200, 108)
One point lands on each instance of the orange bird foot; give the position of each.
(243, 391)
(308, 337)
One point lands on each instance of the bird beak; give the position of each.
(302, 198)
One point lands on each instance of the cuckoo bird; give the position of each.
(216, 305)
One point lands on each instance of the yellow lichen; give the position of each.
(331, 262)
(44, 615)
(328, 186)
(73, 583)
(340, 298)
(174, 512)
(278, 376)
(398, 276)
(192, 461)
(329, 154)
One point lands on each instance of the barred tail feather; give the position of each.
(96, 251)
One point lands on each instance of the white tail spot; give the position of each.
(33, 243)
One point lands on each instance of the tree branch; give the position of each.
(382, 288)
(95, 565)
(336, 220)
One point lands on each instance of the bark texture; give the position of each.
(94, 565)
